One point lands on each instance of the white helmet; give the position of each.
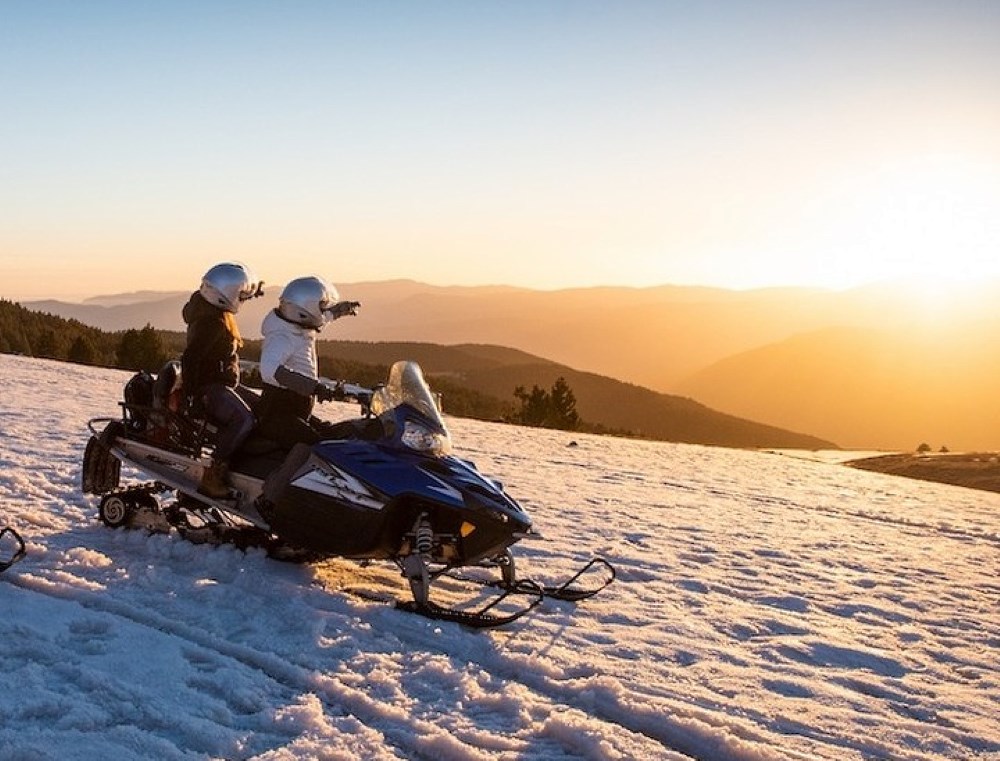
(228, 285)
(305, 301)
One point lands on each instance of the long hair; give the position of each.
(233, 328)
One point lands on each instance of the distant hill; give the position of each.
(655, 337)
(497, 371)
(889, 389)
(37, 334)
(114, 313)
(473, 378)
(457, 360)
(686, 341)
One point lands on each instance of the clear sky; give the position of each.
(545, 144)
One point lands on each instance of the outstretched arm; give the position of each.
(297, 382)
(343, 309)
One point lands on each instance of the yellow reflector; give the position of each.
(467, 528)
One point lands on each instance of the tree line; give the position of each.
(39, 334)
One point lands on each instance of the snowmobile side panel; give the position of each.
(315, 504)
(396, 472)
(183, 473)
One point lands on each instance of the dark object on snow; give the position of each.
(12, 548)
(390, 491)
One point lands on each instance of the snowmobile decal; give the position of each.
(179, 467)
(334, 482)
(445, 489)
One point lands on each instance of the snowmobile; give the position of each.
(12, 548)
(396, 494)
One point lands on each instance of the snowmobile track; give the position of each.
(336, 696)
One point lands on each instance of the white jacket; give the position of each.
(287, 344)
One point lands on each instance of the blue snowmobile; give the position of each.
(398, 495)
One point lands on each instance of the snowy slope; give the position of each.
(767, 607)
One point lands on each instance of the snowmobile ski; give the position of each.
(482, 618)
(12, 548)
(568, 591)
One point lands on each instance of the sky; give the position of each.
(766, 608)
(546, 144)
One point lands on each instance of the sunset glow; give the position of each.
(570, 144)
(935, 216)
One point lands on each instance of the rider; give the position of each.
(289, 368)
(210, 369)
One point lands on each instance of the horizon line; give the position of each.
(913, 280)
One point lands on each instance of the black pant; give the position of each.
(231, 414)
(286, 417)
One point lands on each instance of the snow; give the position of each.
(766, 608)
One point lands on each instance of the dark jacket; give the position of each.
(212, 345)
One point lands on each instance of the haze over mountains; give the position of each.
(617, 406)
(873, 367)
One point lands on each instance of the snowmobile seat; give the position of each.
(258, 456)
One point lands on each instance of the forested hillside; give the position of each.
(605, 403)
(474, 380)
(37, 334)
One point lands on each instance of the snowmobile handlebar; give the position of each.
(339, 390)
(343, 391)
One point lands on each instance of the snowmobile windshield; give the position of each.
(406, 386)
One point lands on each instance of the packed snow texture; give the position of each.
(766, 608)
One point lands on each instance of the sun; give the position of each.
(932, 219)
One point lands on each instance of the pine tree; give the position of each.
(141, 350)
(548, 409)
(534, 406)
(563, 403)
(48, 345)
(82, 351)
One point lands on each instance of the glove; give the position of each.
(325, 393)
(343, 309)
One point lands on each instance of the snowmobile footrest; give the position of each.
(10, 556)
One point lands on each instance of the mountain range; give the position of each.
(882, 366)
(496, 371)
